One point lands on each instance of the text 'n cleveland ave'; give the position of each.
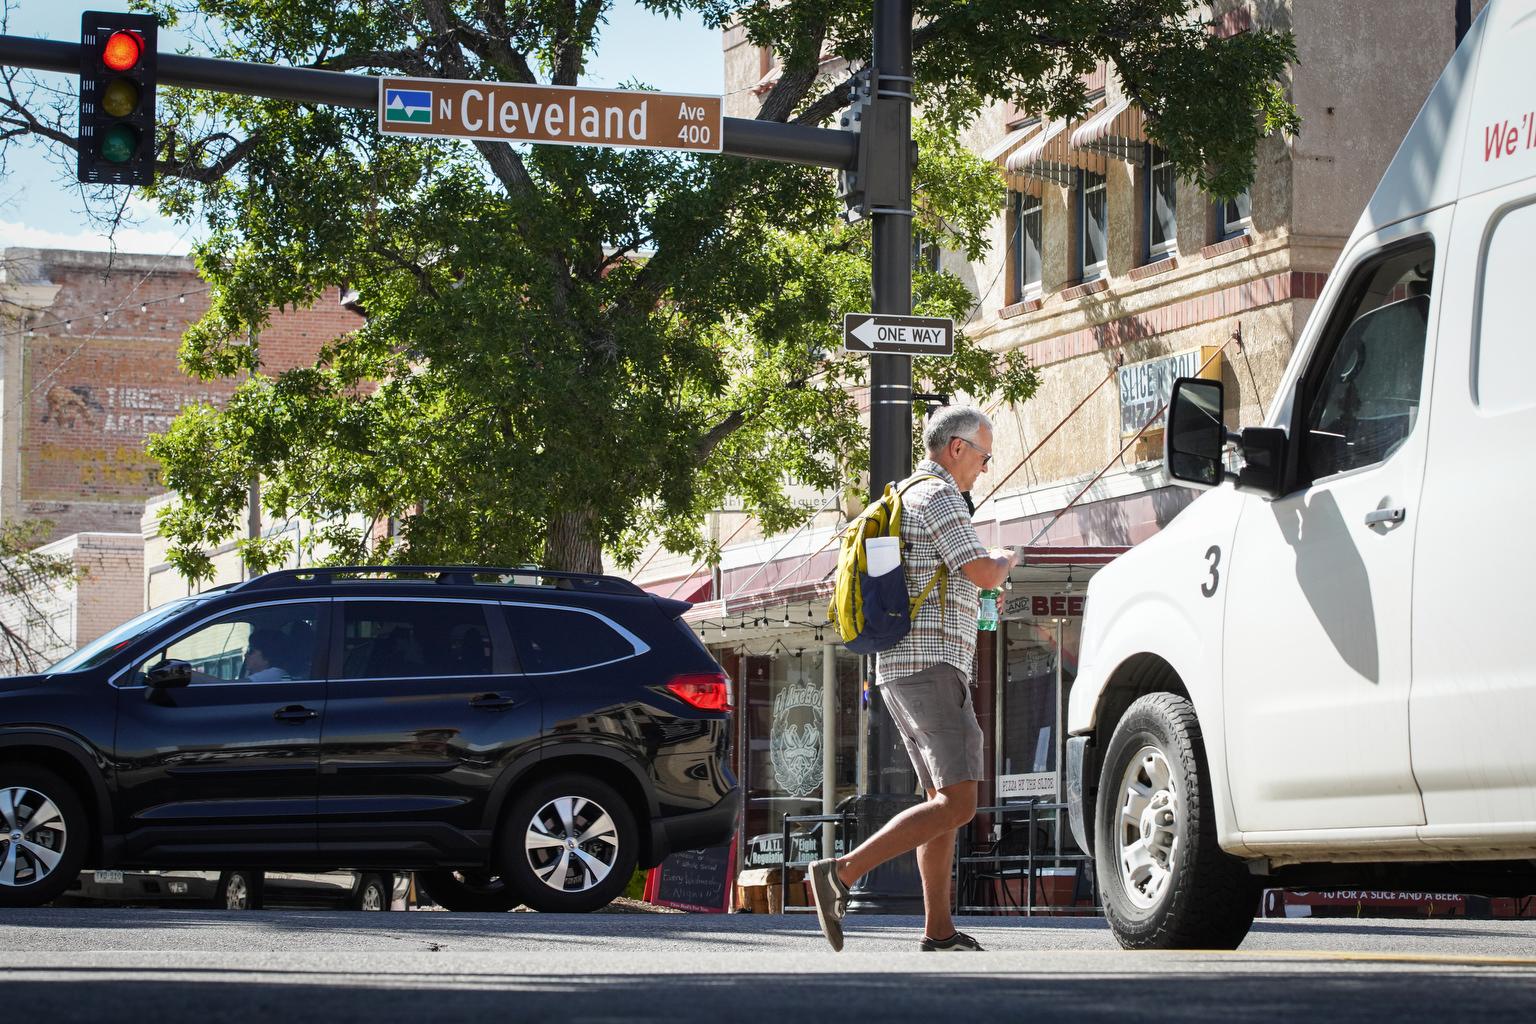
(549, 114)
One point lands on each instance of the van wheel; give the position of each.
(239, 890)
(569, 844)
(468, 891)
(44, 835)
(1167, 884)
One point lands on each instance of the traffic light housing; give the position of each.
(116, 137)
(876, 180)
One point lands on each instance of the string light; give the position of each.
(181, 299)
(143, 307)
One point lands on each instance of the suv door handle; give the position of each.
(295, 713)
(1385, 516)
(493, 702)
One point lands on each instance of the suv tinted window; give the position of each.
(1366, 400)
(550, 639)
(392, 639)
(265, 644)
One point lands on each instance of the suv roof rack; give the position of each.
(452, 575)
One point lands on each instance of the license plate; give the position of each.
(178, 888)
(109, 877)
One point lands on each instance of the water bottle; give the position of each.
(986, 620)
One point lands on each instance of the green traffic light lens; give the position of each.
(120, 98)
(119, 144)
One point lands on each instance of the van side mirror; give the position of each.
(1197, 432)
(168, 674)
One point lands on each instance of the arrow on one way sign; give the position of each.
(874, 333)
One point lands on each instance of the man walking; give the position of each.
(925, 680)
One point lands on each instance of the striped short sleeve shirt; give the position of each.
(936, 529)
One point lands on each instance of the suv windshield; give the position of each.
(108, 644)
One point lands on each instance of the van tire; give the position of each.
(1166, 882)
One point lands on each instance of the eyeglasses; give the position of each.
(986, 456)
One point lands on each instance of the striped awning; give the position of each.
(1044, 157)
(999, 152)
(1115, 131)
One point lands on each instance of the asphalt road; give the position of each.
(289, 966)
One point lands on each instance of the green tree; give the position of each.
(571, 349)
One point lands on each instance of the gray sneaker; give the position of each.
(831, 900)
(956, 943)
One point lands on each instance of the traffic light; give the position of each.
(117, 98)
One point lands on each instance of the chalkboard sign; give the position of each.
(697, 880)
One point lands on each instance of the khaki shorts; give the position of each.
(937, 722)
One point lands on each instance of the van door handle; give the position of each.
(295, 713)
(1385, 516)
(493, 702)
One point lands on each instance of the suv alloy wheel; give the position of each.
(44, 835)
(569, 844)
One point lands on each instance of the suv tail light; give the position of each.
(707, 691)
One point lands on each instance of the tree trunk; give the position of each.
(571, 543)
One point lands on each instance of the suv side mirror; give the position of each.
(1197, 432)
(168, 674)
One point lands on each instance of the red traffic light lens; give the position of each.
(122, 51)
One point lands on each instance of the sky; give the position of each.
(40, 204)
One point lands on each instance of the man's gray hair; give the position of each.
(953, 421)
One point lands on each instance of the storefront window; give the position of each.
(1039, 665)
(784, 733)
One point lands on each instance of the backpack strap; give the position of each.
(940, 575)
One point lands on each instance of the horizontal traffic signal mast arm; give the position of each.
(745, 137)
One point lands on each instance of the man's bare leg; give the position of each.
(942, 813)
(934, 860)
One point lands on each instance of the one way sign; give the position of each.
(918, 335)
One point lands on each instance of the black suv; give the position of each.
(516, 736)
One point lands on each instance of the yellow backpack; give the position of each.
(873, 613)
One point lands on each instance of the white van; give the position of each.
(1323, 672)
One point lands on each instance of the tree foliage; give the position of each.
(572, 349)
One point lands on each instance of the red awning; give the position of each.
(693, 589)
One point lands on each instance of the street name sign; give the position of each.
(873, 333)
(562, 115)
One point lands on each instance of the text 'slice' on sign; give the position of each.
(562, 115)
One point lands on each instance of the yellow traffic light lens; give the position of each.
(119, 144)
(121, 98)
(122, 51)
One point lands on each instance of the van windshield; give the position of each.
(108, 644)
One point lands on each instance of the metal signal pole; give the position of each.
(894, 887)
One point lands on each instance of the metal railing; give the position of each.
(1024, 867)
(844, 820)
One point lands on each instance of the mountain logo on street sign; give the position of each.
(410, 106)
(874, 333)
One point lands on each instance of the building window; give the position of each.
(1161, 201)
(1236, 215)
(1025, 243)
(1092, 225)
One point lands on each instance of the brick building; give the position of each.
(88, 370)
(1113, 276)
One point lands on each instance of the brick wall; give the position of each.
(83, 391)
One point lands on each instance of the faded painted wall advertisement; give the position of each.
(90, 404)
